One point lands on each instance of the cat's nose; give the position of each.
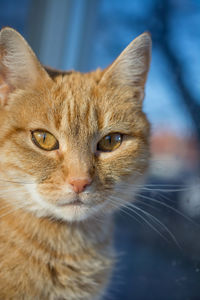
(79, 184)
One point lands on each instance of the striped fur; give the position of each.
(51, 251)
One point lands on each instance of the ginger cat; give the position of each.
(72, 149)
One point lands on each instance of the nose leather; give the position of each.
(79, 184)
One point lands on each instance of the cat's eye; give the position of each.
(110, 142)
(44, 140)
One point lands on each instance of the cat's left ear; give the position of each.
(19, 67)
(131, 67)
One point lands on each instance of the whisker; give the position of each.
(15, 181)
(145, 220)
(165, 198)
(143, 202)
(167, 190)
(126, 212)
(169, 207)
(156, 220)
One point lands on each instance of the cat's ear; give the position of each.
(132, 65)
(19, 67)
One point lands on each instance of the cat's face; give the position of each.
(72, 147)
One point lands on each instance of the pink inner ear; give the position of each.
(5, 89)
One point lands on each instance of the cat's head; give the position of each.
(76, 145)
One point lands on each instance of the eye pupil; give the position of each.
(44, 137)
(109, 139)
(110, 142)
(44, 140)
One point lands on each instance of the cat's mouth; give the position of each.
(76, 202)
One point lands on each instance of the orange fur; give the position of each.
(49, 249)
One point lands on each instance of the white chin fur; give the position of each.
(42, 208)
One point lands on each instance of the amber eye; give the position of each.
(110, 142)
(44, 140)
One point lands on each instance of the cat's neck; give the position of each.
(57, 236)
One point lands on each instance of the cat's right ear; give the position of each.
(131, 67)
(19, 67)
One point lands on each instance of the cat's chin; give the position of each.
(68, 213)
(82, 212)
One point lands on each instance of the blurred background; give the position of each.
(158, 243)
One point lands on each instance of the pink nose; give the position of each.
(78, 184)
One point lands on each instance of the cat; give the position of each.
(73, 147)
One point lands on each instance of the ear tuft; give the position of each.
(19, 67)
(132, 65)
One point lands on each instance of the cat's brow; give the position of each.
(78, 115)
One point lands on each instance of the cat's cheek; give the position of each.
(36, 203)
